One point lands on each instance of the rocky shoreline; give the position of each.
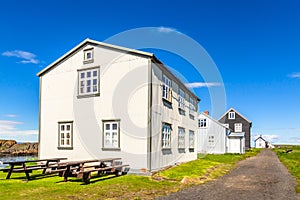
(12, 148)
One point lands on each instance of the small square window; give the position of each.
(88, 55)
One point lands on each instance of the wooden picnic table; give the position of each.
(20, 166)
(84, 168)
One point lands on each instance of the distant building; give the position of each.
(238, 124)
(261, 142)
(216, 138)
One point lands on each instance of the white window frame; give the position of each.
(88, 55)
(166, 89)
(202, 123)
(65, 135)
(88, 81)
(166, 136)
(191, 139)
(181, 100)
(231, 115)
(181, 138)
(192, 106)
(111, 134)
(238, 127)
(211, 140)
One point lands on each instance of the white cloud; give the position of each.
(166, 29)
(9, 130)
(26, 57)
(6, 125)
(202, 84)
(295, 75)
(10, 115)
(271, 138)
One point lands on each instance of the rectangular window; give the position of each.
(238, 127)
(166, 135)
(191, 139)
(181, 99)
(88, 81)
(65, 134)
(166, 89)
(181, 138)
(202, 123)
(88, 56)
(192, 107)
(111, 134)
(231, 115)
(211, 140)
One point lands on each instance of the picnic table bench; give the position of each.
(22, 166)
(83, 169)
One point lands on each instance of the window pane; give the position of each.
(82, 75)
(107, 126)
(62, 135)
(88, 74)
(62, 127)
(68, 127)
(95, 73)
(95, 81)
(88, 83)
(88, 55)
(115, 126)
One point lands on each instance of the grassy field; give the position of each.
(205, 168)
(291, 161)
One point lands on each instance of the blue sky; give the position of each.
(254, 43)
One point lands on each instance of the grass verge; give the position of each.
(291, 161)
(205, 168)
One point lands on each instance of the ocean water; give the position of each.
(14, 158)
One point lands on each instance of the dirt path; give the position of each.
(259, 177)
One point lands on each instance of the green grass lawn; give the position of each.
(124, 187)
(291, 161)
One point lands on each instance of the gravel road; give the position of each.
(260, 177)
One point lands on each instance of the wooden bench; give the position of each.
(83, 169)
(28, 169)
(86, 174)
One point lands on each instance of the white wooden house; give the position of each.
(101, 100)
(260, 142)
(211, 135)
(217, 138)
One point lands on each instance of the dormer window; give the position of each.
(231, 115)
(88, 56)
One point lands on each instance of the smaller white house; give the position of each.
(260, 142)
(216, 138)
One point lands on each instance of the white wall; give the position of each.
(170, 114)
(213, 129)
(123, 95)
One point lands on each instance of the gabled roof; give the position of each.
(212, 120)
(260, 138)
(116, 47)
(89, 41)
(232, 109)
